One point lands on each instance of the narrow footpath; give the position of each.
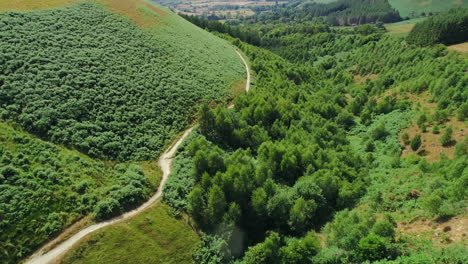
(164, 162)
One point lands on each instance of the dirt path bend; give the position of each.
(164, 162)
(247, 69)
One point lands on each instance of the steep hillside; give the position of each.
(44, 187)
(414, 8)
(111, 82)
(114, 91)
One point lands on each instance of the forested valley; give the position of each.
(317, 165)
(350, 147)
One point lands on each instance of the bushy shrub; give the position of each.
(446, 139)
(416, 142)
(372, 247)
(106, 209)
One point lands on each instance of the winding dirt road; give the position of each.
(164, 162)
(247, 69)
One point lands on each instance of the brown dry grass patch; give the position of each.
(424, 101)
(462, 47)
(431, 148)
(362, 79)
(133, 9)
(26, 5)
(401, 30)
(453, 230)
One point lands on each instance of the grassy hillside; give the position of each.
(101, 81)
(101, 84)
(44, 187)
(151, 237)
(414, 8)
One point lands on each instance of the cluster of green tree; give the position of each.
(245, 34)
(44, 188)
(449, 27)
(310, 42)
(300, 37)
(364, 51)
(294, 166)
(337, 13)
(84, 77)
(308, 141)
(367, 238)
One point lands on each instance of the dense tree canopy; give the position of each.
(311, 140)
(336, 13)
(449, 27)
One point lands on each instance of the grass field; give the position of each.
(462, 48)
(403, 28)
(412, 8)
(151, 237)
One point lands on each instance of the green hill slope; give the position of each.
(111, 82)
(44, 187)
(412, 8)
(84, 77)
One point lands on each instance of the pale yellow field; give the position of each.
(130, 8)
(24, 5)
(463, 47)
(400, 30)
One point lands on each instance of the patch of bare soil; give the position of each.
(431, 148)
(362, 79)
(441, 233)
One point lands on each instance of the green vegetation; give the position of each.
(403, 28)
(100, 85)
(310, 149)
(85, 96)
(336, 13)
(45, 188)
(319, 163)
(416, 142)
(448, 28)
(154, 236)
(416, 8)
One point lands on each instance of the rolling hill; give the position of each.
(90, 94)
(414, 8)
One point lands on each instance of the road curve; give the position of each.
(164, 162)
(247, 69)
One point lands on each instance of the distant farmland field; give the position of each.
(414, 8)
